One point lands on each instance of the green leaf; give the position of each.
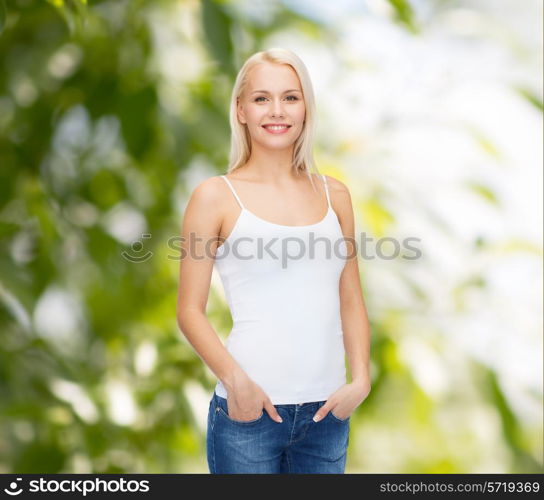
(404, 14)
(486, 193)
(483, 141)
(217, 26)
(377, 217)
(73, 12)
(531, 97)
(3, 15)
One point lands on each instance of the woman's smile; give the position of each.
(276, 129)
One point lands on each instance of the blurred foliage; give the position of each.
(94, 374)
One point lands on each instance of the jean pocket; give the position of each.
(242, 422)
(221, 409)
(343, 420)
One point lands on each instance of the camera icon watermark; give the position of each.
(13, 488)
(138, 247)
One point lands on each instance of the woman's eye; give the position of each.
(295, 98)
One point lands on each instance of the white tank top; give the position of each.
(282, 288)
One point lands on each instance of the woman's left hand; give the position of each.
(345, 400)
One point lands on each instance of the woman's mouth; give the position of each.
(276, 129)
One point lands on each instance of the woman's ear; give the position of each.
(240, 111)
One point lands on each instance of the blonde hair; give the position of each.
(240, 143)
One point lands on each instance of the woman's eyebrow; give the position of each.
(267, 92)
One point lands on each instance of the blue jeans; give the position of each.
(298, 445)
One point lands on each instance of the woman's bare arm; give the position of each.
(200, 238)
(200, 229)
(355, 322)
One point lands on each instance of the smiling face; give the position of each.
(273, 95)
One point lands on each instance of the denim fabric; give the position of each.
(298, 445)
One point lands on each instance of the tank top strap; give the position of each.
(233, 191)
(326, 190)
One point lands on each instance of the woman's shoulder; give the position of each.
(340, 198)
(334, 183)
(210, 187)
(209, 192)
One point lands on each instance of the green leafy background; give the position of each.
(107, 122)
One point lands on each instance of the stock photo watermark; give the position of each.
(284, 249)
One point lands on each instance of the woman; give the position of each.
(282, 403)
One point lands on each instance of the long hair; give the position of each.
(240, 143)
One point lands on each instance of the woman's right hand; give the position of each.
(246, 400)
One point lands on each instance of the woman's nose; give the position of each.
(277, 108)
